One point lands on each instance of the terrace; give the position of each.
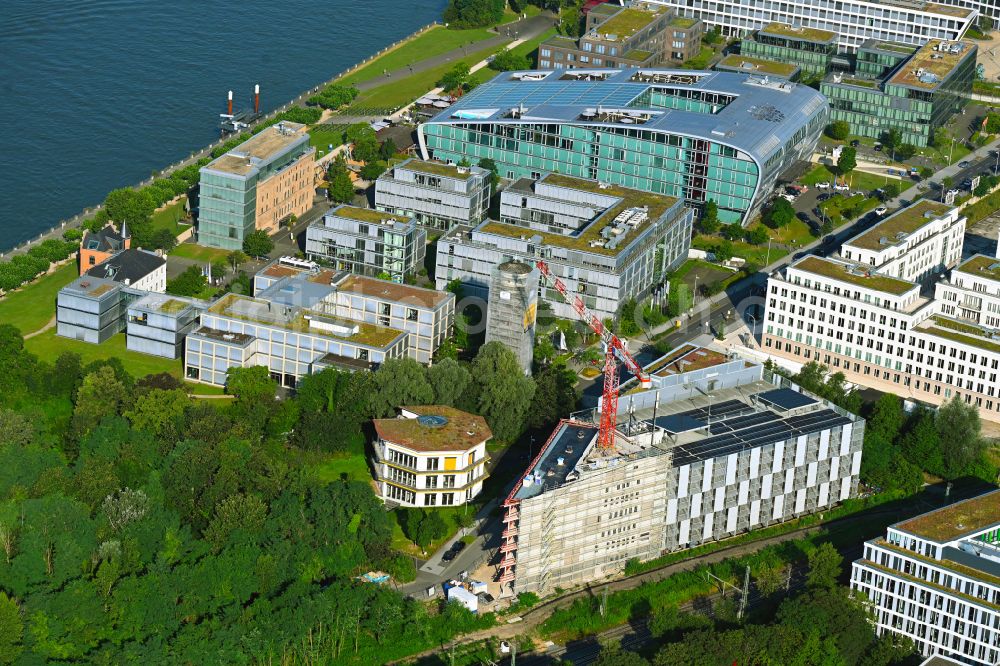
(682, 22)
(900, 225)
(855, 274)
(438, 169)
(369, 215)
(961, 333)
(965, 518)
(931, 65)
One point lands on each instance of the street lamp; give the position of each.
(753, 326)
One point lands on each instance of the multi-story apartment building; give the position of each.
(437, 195)
(810, 49)
(906, 21)
(913, 244)
(256, 185)
(881, 331)
(697, 136)
(935, 579)
(97, 247)
(430, 456)
(607, 243)
(616, 36)
(157, 324)
(716, 447)
(916, 97)
(367, 242)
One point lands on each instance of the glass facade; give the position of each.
(227, 209)
(811, 57)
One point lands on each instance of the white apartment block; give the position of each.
(430, 456)
(436, 195)
(905, 21)
(716, 447)
(935, 579)
(914, 243)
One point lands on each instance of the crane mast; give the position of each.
(615, 351)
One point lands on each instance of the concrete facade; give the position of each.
(512, 309)
(157, 324)
(437, 195)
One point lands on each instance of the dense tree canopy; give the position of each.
(473, 13)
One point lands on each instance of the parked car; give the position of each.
(964, 164)
(788, 197)
(855, 143)
(817, 211)
(841, 187)
(967, 184)
(830, 240)
(448, 556)
(823, 186)
(458, 547)
(878, 147)
(881, 210)
(824, 197)
(802, 215)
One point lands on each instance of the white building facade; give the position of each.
(436, 195)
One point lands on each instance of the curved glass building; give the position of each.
(694, 135)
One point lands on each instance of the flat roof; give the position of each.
(299, 320)
(683, 22)
(228, 337)
(402, 293)
(941, 660)
(981, 266)
(262, 147)
(749, 114)
(963, 518)
(656, 205)
(749, 64)
(897, 227)
(948, 10)
(799, 32)
(888, 47)
(962, 332)
(858, 275)
(167, 304)
(91, 286)
(436, 428)
(929, 67)
(569, 442)
(786, 399)
(440, 168)
(622, 25)
(369, 215)
(686, 358)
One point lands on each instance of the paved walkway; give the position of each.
(48, 326)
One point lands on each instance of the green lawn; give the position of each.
(432, 43)
(528, 48)
(321, 136)
(48, 346)
(405, 90)
(201, 253)
(355, 467)
(169, 217)
(795, 232)
(757, 254)
(31, 307)
(702, 60)
(510, 17)
(858, 180)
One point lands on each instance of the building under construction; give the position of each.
(512, 308)
(716, 446)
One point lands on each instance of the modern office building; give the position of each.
(916, 97)
(512, 309)
(887, 333)
(304, 318)
(97, 247)
(935, 579)
(615, 36)
(438, 196)
(93, 307)
(907, 21)
(256, 185)
(606, 243)
(157, 324)
(693, 135)
(367, 242)
(716, 447)
(810, 49)
(741, 64)
(430, 456)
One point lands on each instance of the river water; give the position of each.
(98, 94)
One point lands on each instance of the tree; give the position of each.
(163, 239)
(218, 269)
(15, 429)
(503, 393)
(709, 221)
(448, 380)
(613, 655)
(399, 382)
(491, 166)
(887, 417)
(387, 149)
(251, 386)
(905, 151)
(780, 214)
(133, 207)
(236, 258)
(824, 567)
(938, 140)
(101, 394)
(11, 630)
(758, 235)
(732, 231)
(340, 187)
(838, 130)
(258, 243)
(364, 142)
(555, 396)
(922, 444)
(190, 282)
(892, 139)
(713, 35)
(891, 190)
(827, 226)
(160, 413)
(508, 61)
(474, 13)
(455, 78)
(239, 516)
(372, 170)
(848, 160)
(958, 427)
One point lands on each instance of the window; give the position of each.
(447, 499)
(432, 481)
(432, 464)
(546, 53)
(411, 314)
(449, 481)
(91, 259)
(430, 499)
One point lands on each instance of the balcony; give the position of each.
(506, 577)
(508, 547)
(511, 516)
(510, 532)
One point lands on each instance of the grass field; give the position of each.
(452, 516)
(795, 232)
(199, 252)
(169, 217)
(321, 136)
(49, 346)
(405, 90)
(510, 17)
(355, 467)
(858, 180)
(31, 307)
(528, 48)
(432, 43)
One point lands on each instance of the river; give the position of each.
(98, 94)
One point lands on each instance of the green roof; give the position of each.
(173, 306)
(626, 23)
(638, 55)
(739, 63)
(905, 221)
(955, 521)
(438, 169)
(848, 81)
(854, 274)
(940, 64)
(896, 573)
(981, 266)
(961, 333)
(682, 22)
(893, 47)
(368, 215)
(657, 205)
(799, 32)
(968, 572)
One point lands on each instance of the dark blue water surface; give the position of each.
(97, 94)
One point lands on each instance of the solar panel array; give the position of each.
(785, 398)
(566, 93)
(736, 426)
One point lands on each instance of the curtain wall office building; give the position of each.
(694, 135)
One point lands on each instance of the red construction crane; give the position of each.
(615, 350)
